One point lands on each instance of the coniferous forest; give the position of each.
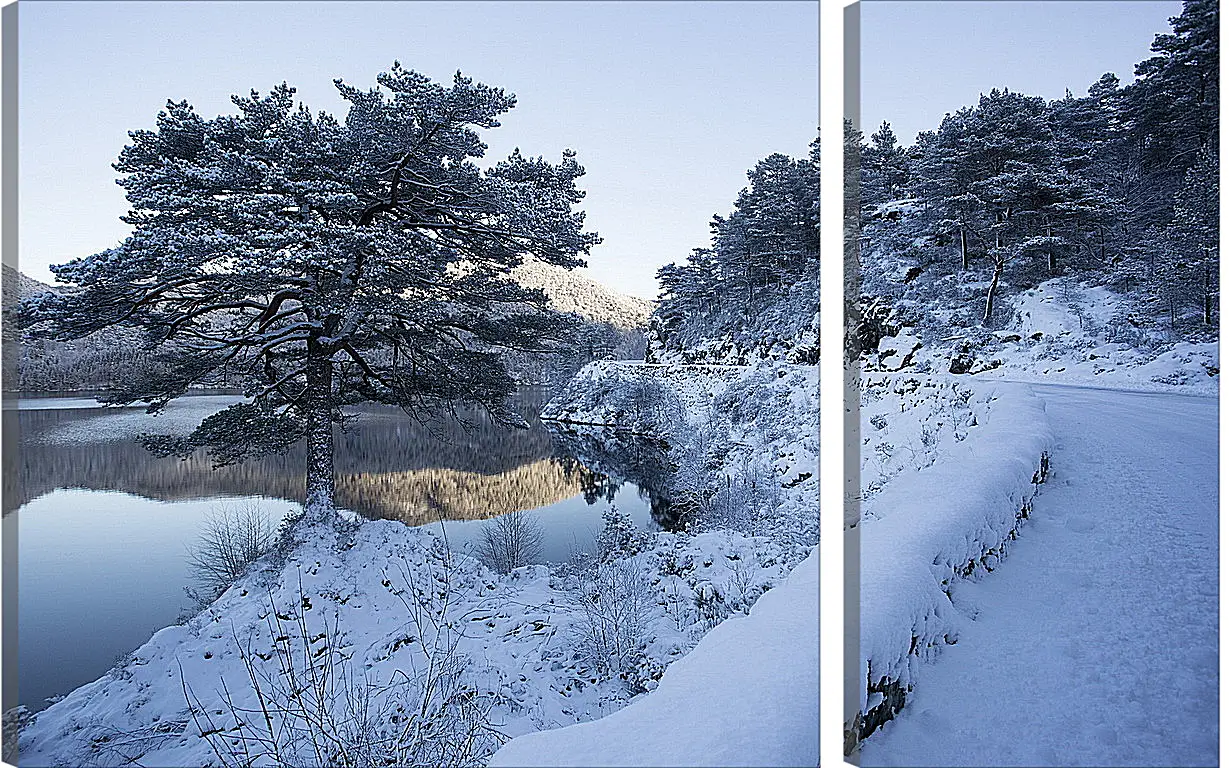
(1117, 186)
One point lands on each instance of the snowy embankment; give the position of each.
(384, 604)
(747, 695)
(624, 395)
(950, 520)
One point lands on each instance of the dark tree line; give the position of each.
(754, 289)
(1120, 183)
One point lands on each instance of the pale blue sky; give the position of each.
(668, 104)
(923, 58)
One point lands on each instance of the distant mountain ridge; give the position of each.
(26, 285)
(568, 292)
(614, 327)
(572, 292)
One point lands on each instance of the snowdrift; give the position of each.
(952, 520)
(748, 694)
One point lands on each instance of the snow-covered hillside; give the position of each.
(570, 291)
(748, 695)
(1076, 329)
(24, 284)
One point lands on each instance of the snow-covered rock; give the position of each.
(636, 396)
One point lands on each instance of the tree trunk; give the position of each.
(994, 286)
(964, 250)
(1053, 260)
(1208, 304)
(319, 408)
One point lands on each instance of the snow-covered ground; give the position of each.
(340, 594)
(748, 695)
(908, 421)
(1095, 641)
(1066, 332)
(1074, 333)
(519, 636)
(949, 517)
(629, 395)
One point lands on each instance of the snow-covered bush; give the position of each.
(510, 541)
(906, 422)
(231, 540)
(309, 703)
(620, 537)
(615, 607)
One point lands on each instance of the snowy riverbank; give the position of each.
(749, 692)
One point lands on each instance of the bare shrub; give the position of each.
(314, 706)
(233, 537)
(510, 541)
(616, 607)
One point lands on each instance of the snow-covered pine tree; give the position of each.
(1189, 273)
(945, 168)
(1090, 207)
(1172, 109)
(329, 261)
(759, 274)
(885, 167)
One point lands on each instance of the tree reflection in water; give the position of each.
(619, 457)
(389, 466)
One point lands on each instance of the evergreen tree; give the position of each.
(1189, 274)
(764, 253)
(885, 167)
(330, 262)
(1172, 110)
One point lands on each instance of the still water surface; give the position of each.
(105, 528)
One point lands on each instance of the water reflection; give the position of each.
(105, 526)
(98, 573)
(636, 459)
(388, 465)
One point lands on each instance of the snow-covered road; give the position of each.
(1095, 642)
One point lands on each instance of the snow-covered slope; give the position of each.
(1063, 331)
(573, 292)
(630, 395)
(340, 595)
(23, 284)
(1080, 328)
(748, 695)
